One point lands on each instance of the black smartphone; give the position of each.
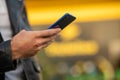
(63, 21)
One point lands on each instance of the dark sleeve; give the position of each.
(6, 62)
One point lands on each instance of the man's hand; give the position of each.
(28, 43)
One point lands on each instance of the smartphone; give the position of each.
(63, 21)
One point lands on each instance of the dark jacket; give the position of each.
(19, 21)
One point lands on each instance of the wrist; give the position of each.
(15, 54)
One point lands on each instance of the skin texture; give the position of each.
(28, 43)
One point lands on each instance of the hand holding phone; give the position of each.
(63, 21)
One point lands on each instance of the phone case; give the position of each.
(63, 21)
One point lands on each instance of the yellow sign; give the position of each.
(76, 48)
(42, 12)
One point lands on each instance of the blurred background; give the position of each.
(89, 48)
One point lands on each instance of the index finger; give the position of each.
(49, 32)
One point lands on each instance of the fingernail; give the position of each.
(59, 29)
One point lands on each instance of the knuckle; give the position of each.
(36, 43)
